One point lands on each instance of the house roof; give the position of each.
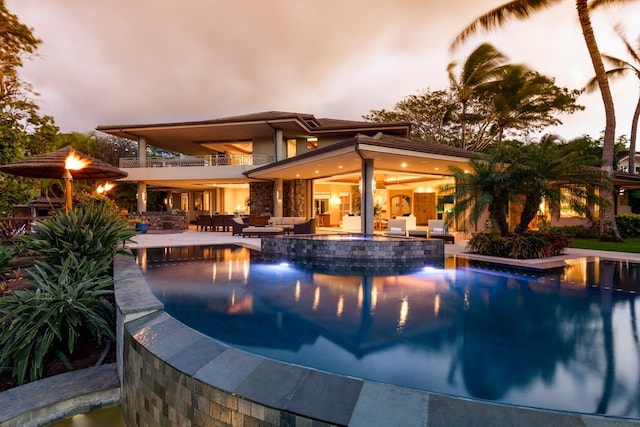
(627, 180)
(390, 154)
(192, 137)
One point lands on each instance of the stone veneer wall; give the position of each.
(261, 197)
(161, 221)
(388, 249)
(157, 394)
(295, 198)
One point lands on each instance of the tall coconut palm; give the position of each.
(522, 9)
(482, 66)
(622, 68)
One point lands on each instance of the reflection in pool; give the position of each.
(550, 341)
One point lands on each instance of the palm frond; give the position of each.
(595, 4)
(631, 51)
(518, 9)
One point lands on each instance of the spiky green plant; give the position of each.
(93, 231)
(6, 254)
(68, 304)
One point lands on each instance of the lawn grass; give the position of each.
(629, 245)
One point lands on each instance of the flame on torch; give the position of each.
(103, 188)
(74, 162)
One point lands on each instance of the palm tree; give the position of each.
(555, 173)
(489, 187)
(525, 100)
(621, 69)
(482, 66)
(525, 175)
(522, 9)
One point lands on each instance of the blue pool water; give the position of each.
(558, 340)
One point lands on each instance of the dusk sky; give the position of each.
(155, 61)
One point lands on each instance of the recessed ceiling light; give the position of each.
(297, 175)
(404, 165)
(437, 169)
(317, 171)
(339, 166)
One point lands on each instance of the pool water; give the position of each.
(558, 340)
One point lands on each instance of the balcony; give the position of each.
(205, 161)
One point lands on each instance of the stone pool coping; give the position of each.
(54, 398)
(278, 393)
(550, 262)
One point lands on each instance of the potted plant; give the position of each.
(142, 225)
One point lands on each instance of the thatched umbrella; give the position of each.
(56, 165)
(52, 165)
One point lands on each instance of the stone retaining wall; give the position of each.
(354, 248)
(61, 396)
(161, 221)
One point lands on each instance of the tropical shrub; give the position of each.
(67, 304)
(93, 231)
(528, 245)
(628, 225)
(71, 289)
(88, 199)
(6, 255)
(576, 231)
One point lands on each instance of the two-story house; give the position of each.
(293, 164)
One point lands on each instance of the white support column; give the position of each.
(142, 186)
(277, 185)
(279, 144)
(170, 201)
(366, 197)
(142, 197)
(142, 152)
(277, 197)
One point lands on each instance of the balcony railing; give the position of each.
(216, 160)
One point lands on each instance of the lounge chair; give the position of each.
(399, 226)
(438, 230)
(237, 225)
(307, 227)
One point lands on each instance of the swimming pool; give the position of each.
(549, 341)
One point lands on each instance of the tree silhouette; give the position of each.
(522, 9)
(622, 68)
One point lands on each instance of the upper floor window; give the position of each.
(292, 147)
(312, 143)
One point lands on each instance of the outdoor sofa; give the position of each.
(286, 222)
(401, 225)
(438, 230)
